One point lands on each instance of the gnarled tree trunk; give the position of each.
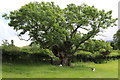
(65, 60)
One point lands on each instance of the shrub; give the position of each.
(15, 54)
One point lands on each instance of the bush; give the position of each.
(15, 54)
(10, 53)
(84, 56)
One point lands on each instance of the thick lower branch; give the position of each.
(90, 34)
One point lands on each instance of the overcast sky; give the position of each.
(9, 5)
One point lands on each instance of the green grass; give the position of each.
(79, 70)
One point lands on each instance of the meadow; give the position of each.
(46, 70)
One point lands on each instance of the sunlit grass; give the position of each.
(79, 70)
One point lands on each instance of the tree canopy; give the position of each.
(116, 39)
(96, 47)
(61, 30)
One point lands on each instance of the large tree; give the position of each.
(116, 39)
(60, 30)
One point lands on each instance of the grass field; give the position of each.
(42, 70)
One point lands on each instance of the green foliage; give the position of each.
(49, 25)
(84, 56)
(96, 46)
(97, 51)
(102, 50)
(36, 48)
(9, 46)
(9, 51)
(116, 39)
(34, 53)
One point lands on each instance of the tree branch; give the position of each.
(90, 34)
(84, 50)
(74, 31)
(20, 37)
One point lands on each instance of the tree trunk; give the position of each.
(65, 61)
(60, 53)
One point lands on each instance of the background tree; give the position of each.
(12, 42)
(60, 30)
(116, 39)
(5, 42)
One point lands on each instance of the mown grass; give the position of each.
(45, 70)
